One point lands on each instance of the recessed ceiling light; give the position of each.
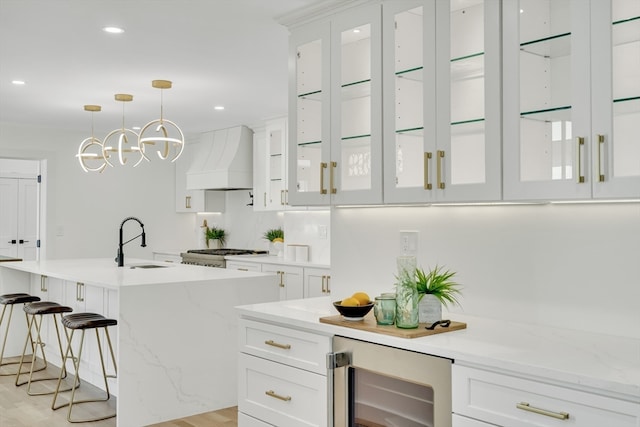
(18, 82)
(356, 31)
(219, 107)
(113, 30)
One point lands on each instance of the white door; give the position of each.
(19, 217)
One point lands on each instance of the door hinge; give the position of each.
(338, 360)
(39, 179)
(38, 243)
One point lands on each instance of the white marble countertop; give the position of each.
(104, 272)
(600, 363)
(270, 259)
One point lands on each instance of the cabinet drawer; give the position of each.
(245, 420)
(244, 266)
(281, 395)
(505, 400)
(302, 350)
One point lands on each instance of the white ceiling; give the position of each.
(216, 52)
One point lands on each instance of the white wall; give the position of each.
(84, 210)
(577, 265)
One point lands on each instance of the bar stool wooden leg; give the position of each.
(85, 321)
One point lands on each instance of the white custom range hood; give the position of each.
(222, 160)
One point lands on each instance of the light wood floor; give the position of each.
(18, 409)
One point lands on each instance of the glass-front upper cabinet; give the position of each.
(442, 103)
(615, 65)
(335, 136)
(571, 78)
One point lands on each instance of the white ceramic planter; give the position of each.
(429, 309)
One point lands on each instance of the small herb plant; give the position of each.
(274, 235)
(215, 233)
(439, 283)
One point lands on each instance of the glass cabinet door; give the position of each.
(309, 109)
(442, 110)
(546, 99)
(616, 98)
(355, 169)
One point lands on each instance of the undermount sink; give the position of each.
(148, 266)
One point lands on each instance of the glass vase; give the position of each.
(406, 294)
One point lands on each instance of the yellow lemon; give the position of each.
(362, 298)
(350, 302)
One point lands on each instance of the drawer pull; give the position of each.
(526, 407)
(277, 396)
(275, 344)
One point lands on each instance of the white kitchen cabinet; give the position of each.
(282, 376)
(19, 217)
(335, 110)
(571, 99)
(270, 190)
(194, 200)
(289, 280)
(243, 266)
(516, 401)
(167, 257)
(459, 421)
(317, 282)
(442, 114)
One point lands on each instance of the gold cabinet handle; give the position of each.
(276, 344)
(427, 159)
(580, 141)
(264, 201)
(187, 202)
(440, 155)
(334, 190)
(324, 289)
(243, 269)
(281, 274)
(79, 291)
(600, 150)
(43, 283)
(526, 407)
(277, 396)
(323, 166)
(328, 287)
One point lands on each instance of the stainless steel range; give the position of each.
(214, 257)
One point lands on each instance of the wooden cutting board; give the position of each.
(369, 324)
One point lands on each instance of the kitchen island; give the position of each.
(177, 330)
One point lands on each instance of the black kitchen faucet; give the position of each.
(120, 255)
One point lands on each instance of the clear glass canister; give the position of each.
(384, 309)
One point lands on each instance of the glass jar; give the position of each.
(384, 309)
(406, 293)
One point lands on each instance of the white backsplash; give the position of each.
(245, 227)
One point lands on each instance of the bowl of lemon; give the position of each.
(355, 307)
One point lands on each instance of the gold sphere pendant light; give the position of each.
(85, 154)
(124, 135)
(170, 134)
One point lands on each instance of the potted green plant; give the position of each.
(435, 289)
(276, 238)
(214, 234)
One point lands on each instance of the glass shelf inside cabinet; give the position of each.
(419, 131)
(626, 30)
(355, 90)
(311, 96)
(468, 67)
(548, 115)
(365, 139)
(411, 74)
(555, 46)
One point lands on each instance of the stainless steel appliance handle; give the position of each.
(334, 360)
